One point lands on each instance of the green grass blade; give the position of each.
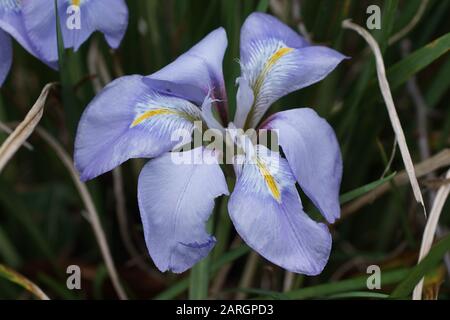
(199, 279)
(263, 5)
(17, 278)
(8, 252)
(418, 60)
(359, 294)
(323, 290)
(439, 86)
(260, 292)
(68, 97)
(348, 196)
(182, 285)
(433, 258)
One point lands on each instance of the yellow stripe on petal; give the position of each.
(277, 56)
(151, 113)
(76, 2)
(268, 66)
(270, 180)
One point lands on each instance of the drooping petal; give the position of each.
(175, 201)
(5, 56)
(267, 213)
(114, 21)
(130, 120)
(313, 153)
(78, 20)
(11, 22)
(277, 61)
(196, 73)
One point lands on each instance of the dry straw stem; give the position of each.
(440, 160)
(18, 138)
(430, 229)
(395, 121)
(411, 25)
(24, 129)
(8, 130)
(22, 281)
(90, 207)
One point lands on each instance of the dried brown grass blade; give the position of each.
(389, 101)
(430, 229)
(93, 216)
(18, 137)
(22, 281)
(440, 160)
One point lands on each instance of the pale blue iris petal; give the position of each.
(196, 73)
(277, 228)
(260, 26)
(175, 201)
(313, 153)
(109, 17)
(128, 119)
(11, 21)
(5, 56)
(275, 61)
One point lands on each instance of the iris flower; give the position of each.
(109, 17)
(33, 24)
(135, 117)
(12, 25)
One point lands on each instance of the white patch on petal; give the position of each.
(267, 174)
(157, 110)
(267, 72)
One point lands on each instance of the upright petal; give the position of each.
(267, 213)
(244, 99)
(11, 22)
(128, 119)
(277, 61)
(313, 153)
(78, 20)
(259, 26)
(175, 201)
(5, 56)
(197, 72)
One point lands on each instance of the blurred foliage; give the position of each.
(42, 224)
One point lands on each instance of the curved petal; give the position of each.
(244, 100)
(114, 20)
(127, 120)
(267, 213)
(196, 73)
(5, 56)
(11, 21)
(78, 19)
(175, 201)
(276, 61)
(260, 26)
(313, 153)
